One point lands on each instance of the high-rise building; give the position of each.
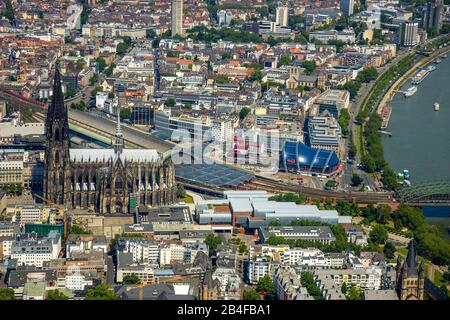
(177, 17)
(282, 15)
(347, 7)
(433, 15)
(409, 34)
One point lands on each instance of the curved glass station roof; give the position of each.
(300, 157)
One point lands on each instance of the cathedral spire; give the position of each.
(56, 109)
(118, 145)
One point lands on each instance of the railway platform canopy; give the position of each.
(213, 175)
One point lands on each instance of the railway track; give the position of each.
(274, 186)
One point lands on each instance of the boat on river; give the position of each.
(420, 76)
(411, 91)
(436, 106)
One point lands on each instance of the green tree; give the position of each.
(170, 102)
(409, 217)
(367, 75)
(330, 184)
(212, 242)
(356, 180)
(289, 197)
(78, 230)
(181, 192)
(309, 66)
(122, 47)
(285, 61)
(221, 80)
(339, 44)
(383, 213)
(354, 293)
(378, 234)
(6, 294)
(226, 56)
(131, 279)
(307, 281)
(96, 89)
(244, 112)
(242, 248)
(125, 113)
(344, 120)
(9, 11)
(81, 106)
(101, 64)
(70, 92)
(389, 250)
(265, 284)
(56, 295)
(251, 295)
(101, 292)
(93, 79)
(108, 71)
(344, 288)
(352, 87)
(150, 34)
(80, 64)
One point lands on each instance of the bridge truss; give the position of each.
(433, 192)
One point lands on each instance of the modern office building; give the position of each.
(333, 101)
(324, 133)
(198, 128)
(177, 17)
(433, 15)
(347, 7)
(409, 34)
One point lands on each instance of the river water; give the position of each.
(420, 139)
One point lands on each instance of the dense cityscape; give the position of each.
(223, 150)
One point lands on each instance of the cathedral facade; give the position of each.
(108, 181)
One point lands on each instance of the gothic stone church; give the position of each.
(103, 180)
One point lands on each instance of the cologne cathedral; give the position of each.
(108, 181)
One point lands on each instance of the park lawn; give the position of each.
(188, 199)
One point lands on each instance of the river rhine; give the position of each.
(420, 139)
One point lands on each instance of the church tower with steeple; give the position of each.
(410, 276)
(57, 158)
